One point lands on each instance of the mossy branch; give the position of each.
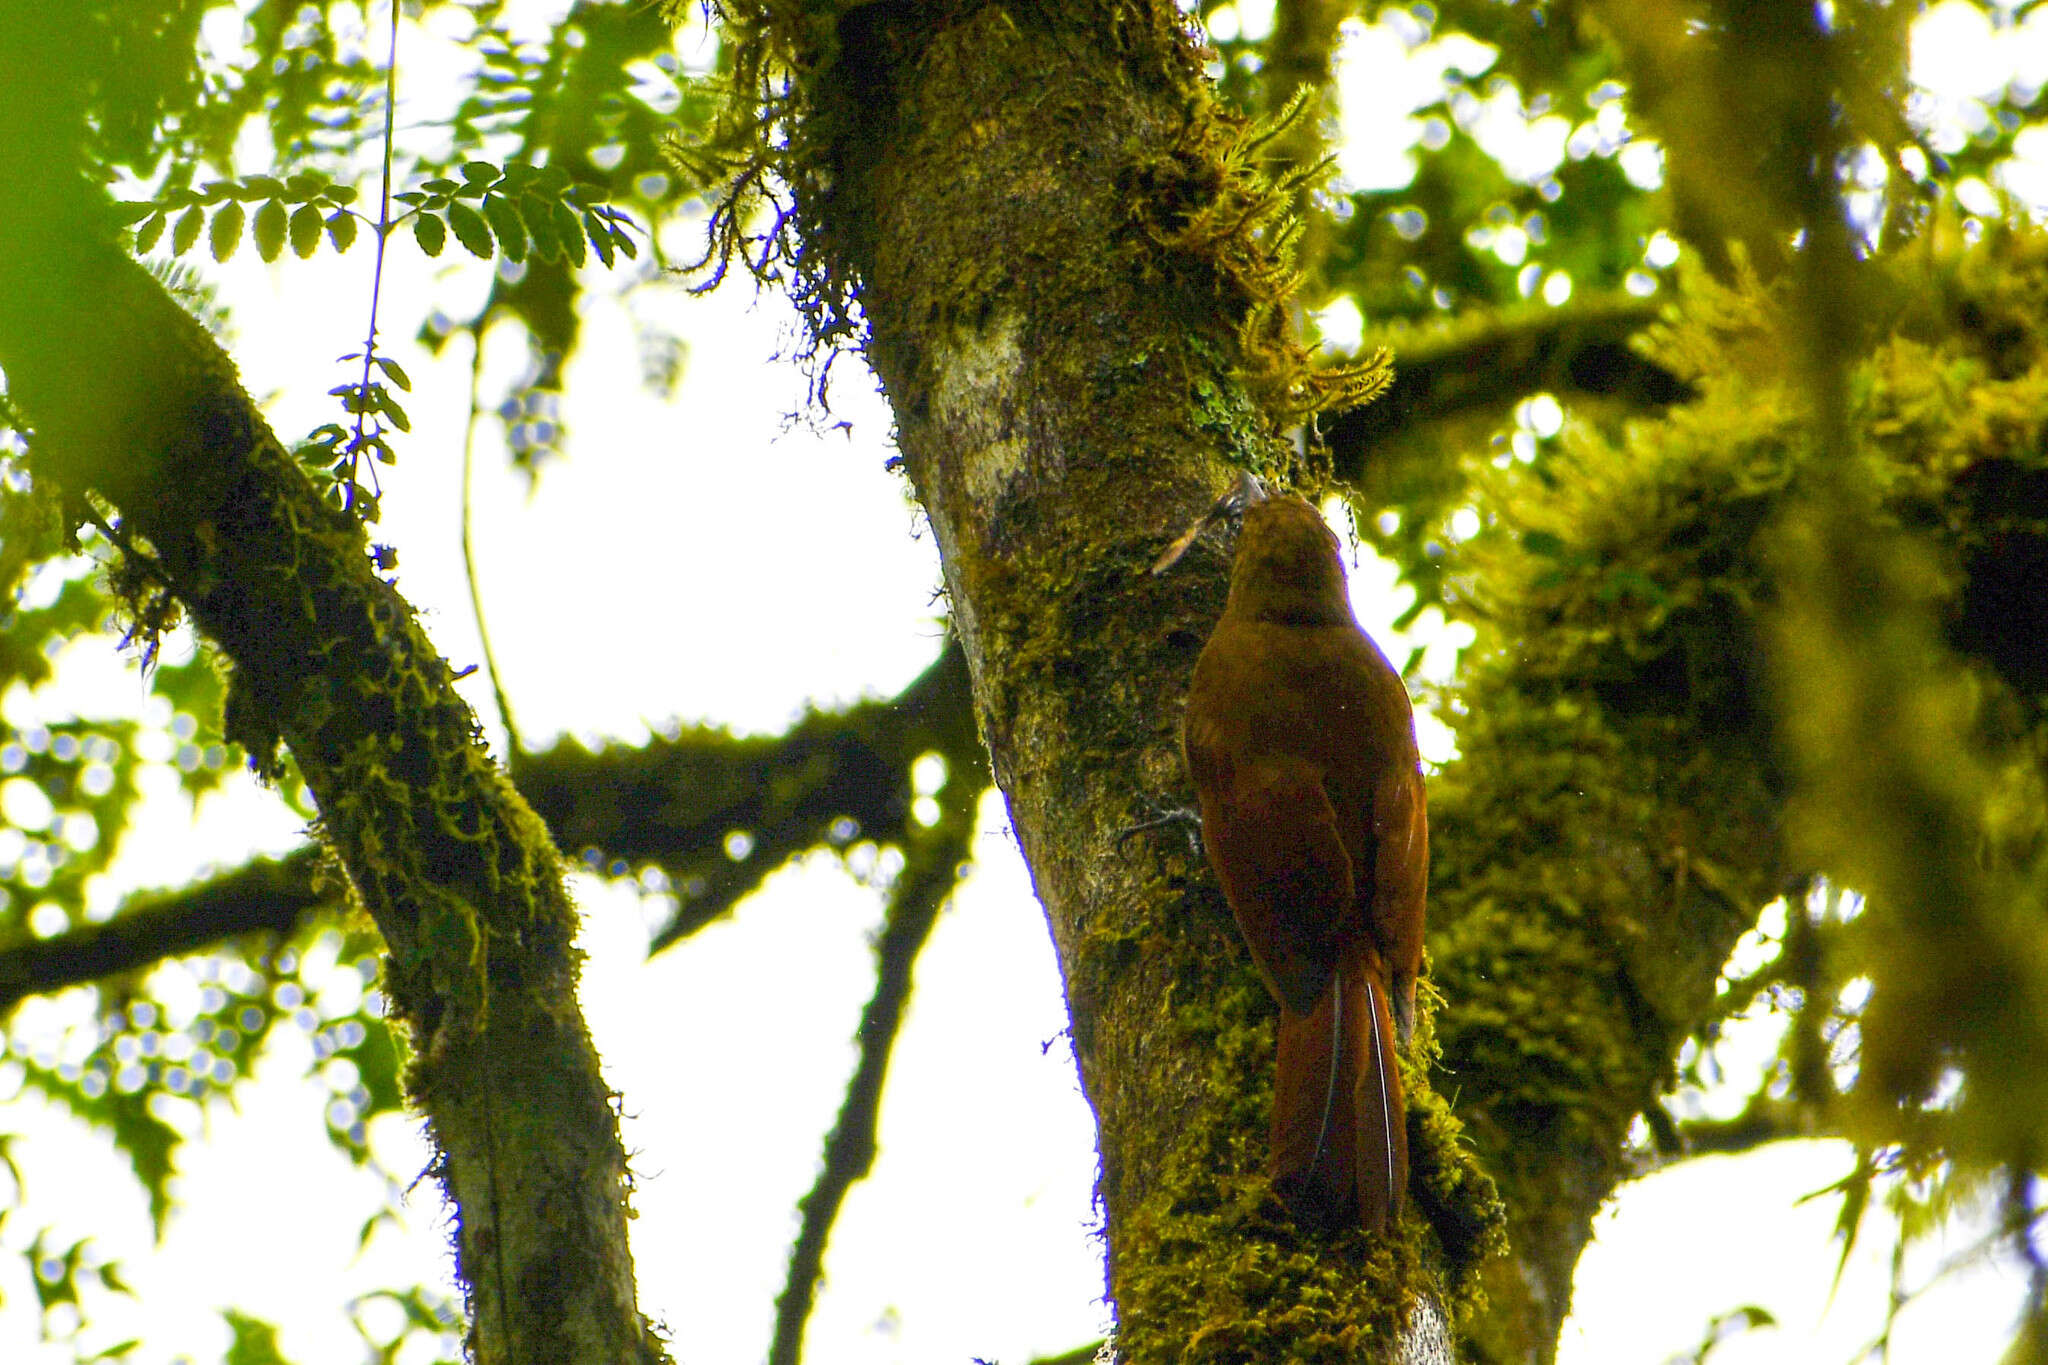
(717, 814)
(267, 896)
(1484, 365)
(132, 400)
(672, 803)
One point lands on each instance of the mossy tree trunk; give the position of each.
(130, 402)
(1027, 200)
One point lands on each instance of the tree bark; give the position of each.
(132, 402)
(1012, 190)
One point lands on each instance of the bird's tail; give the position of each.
(1340, 1125)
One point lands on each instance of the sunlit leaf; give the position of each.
(470, 230)
(187, 230)
(255, 1341)
(600, 234)
(268, 230)
(570, 230)
(538, 215)
(341, 229)
(305, 230)
(224, 233)
(430, 232)
(505, 222)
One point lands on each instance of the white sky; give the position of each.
(641, 584)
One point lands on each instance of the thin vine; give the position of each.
(513, 747)
(359, 402)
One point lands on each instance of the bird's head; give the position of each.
(1288, 568)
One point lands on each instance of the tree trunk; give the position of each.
(130, 401)
(1027, 198)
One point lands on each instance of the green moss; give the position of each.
(1619, 810)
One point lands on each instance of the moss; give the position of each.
(1208, 200)
(1211, 1267)
(1620, 801)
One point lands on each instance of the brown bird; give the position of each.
(1301, 743)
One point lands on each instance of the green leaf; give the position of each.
(305, 230)
(255, 1341)
(1546, 543)
(470, 230)
(269, 230)
(339, 194)
(388, 405)
(392, 372)
(256, 187)
(571, 232)
(479, 172)
(600, 234)
(440, 185)
(341, 229)
(305, 184)
(538, 214)
(149, 230)
(381, 1218)
(505, 222)
(224, 233)
(624, 241)
(430, 232)
(187, 230)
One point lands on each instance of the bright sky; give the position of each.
(694, 559)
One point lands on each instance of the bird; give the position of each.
(1300, 739)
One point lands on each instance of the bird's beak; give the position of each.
(1246, 492)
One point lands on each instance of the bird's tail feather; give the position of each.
(1340, 1143)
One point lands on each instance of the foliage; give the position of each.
(1628, 581)
(1625, 583)
(582, 115)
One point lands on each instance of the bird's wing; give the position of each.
(1272, 836)
(1400, 881)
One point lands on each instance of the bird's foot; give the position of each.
(1160, 815)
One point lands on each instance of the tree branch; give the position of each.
(269, 895)
(1580, 350)
(1080, 1355)
(131, 399)
(929, 873)
(1763, 1120)
(677, 802)
(672, 803)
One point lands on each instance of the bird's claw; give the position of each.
(1164, 817)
